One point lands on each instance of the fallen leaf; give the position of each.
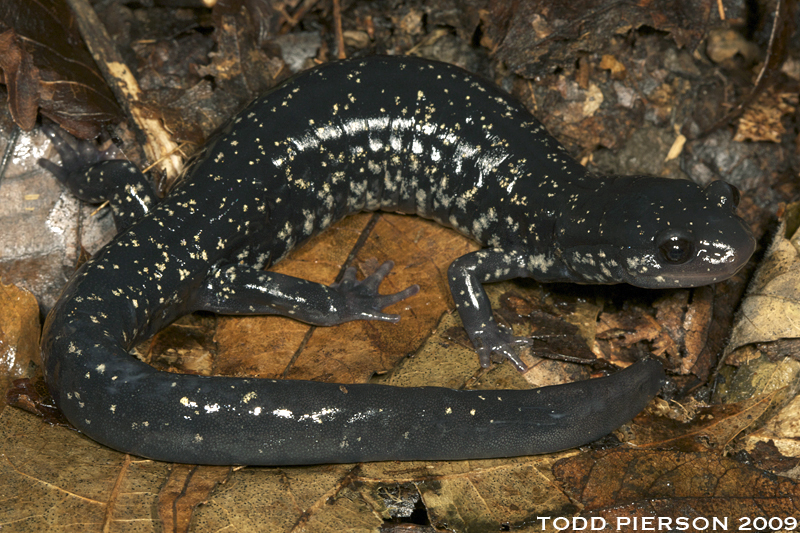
(538, 36)
(46, 69)
(622, 485)
(770, 310)
(19, 336)
(187, 487)
(351, 352)
(54, 478)
(763, 119)
(711, 428)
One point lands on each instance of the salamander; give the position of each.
(381, 133)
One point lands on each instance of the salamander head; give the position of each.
(664, 233)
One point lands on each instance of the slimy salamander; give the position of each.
(382, 133)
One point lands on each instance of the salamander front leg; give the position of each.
(242, 290)
(94, 178)
(466, 276)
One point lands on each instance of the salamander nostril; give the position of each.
(726, 192)
(736, 196)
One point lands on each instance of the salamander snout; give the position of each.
(678, 245)
(675, 233)
(706, 244)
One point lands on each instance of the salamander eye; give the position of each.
(676, 249)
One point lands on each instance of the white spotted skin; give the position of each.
(397, 134)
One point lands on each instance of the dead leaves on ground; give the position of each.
(19, 336)
(57, 478)
(46, 70)
(763, 346)
(61, 478)
(71, 477)
(631, 484)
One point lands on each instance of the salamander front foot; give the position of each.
(76, 156)
(93, 176)
(362, 301)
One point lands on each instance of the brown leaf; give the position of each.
(187, 487)
(623, 484)
(757, 374)
(318, 498)
(771, 308)
(710, 428)
(53, 477)
(749, 373)
(781, 430)
(47, 67)
(351, 352)
(19, 336)
(458, 496)
(696, 324)
(536, 36)
(621, 333)
(21, 78)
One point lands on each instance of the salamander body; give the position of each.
(382, 133)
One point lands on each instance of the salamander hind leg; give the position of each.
(93, 178)
(242, 290)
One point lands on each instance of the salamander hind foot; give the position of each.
(362, 301)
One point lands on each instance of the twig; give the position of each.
(155, 139)
(337, 29)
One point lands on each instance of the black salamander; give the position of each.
(389, 133)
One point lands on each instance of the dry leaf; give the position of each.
(769, 313)
(53, 478)
(712, 428)
(46, 69)
(536, 37)
(187, 487)
(621, 485)
(19, 336)
(763, 119)
(771, 308)
(279, 347)
(782, 430)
